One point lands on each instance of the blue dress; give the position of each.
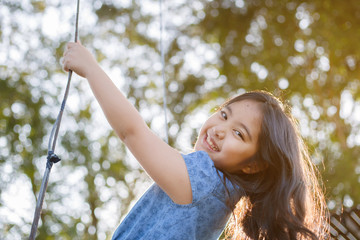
(156, 216)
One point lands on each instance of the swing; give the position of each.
(51, 156)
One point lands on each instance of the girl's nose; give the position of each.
(219, 132)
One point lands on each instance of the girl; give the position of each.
(249, 161)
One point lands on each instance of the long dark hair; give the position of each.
(284, 201)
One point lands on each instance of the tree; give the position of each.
(304, 51)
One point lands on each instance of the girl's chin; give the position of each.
(199, 144)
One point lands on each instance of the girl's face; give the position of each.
(230, 136)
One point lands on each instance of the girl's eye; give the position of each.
(239, 134)
(224, 115)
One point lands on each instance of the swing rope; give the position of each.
(52, 157)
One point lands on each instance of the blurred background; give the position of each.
(305, 52)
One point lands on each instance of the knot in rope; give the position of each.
(52, 158)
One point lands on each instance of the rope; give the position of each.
(51, 157)
(163, 73)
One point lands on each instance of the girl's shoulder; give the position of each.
(205, 179)
(199, 162)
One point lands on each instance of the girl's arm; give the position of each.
(164, 164)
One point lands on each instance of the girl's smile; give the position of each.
(230, 135)
(211, 145)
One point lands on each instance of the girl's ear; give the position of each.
(254, 167)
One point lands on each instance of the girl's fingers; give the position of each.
(67, 48)
(76, 58)
(64, 61)
(64, 66)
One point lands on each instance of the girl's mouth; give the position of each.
(211, 144)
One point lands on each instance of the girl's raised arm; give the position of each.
(164, 164)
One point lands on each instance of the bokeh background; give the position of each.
(305, 52)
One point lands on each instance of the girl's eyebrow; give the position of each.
(240, 123)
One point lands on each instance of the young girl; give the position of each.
(249, 162)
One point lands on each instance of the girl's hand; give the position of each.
(163, 163)
(78, 59)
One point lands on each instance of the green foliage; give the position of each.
(306, 52)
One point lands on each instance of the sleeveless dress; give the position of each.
(156, 216)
